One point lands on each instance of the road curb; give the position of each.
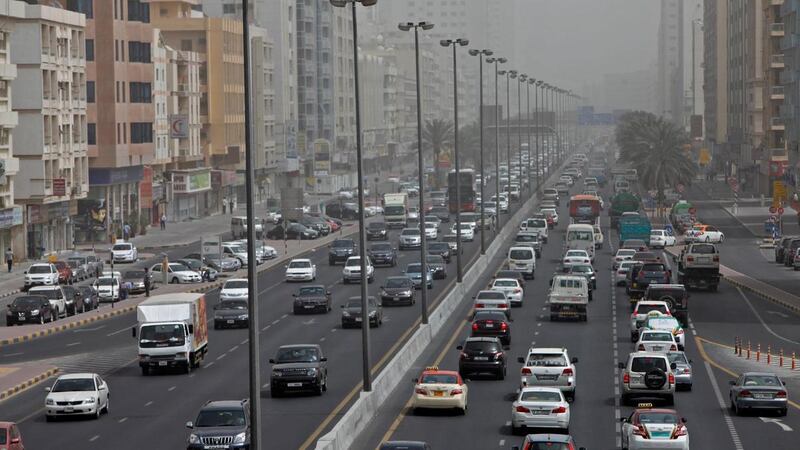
(10, 293)
(790, 306)
(8, 393)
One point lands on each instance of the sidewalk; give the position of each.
(17, 378)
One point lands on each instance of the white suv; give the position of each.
(549, 367)
(352, 270)
(41, 274)
(647, 374)
(56, 297)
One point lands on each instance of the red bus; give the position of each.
(466, 180)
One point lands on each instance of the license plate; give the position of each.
(762, 396)
(481, 358)
(547, 377)
(660, 434)
(438, 393)
(358, 319)
(294, 384)
(396, 298)
(162, 363)
(230, 321)
(657, 348)
(308, 306)
(540, 412)
(489, 325)
(69, 409)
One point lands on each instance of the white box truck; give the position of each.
(395, 210)
(172, 332)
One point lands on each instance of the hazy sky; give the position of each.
(577, 41)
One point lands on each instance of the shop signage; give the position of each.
(59, 187)
(10, 217)
(187, 183)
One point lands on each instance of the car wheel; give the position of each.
(783, 412)
(108, 405)
(670, 399)
(501, 375)
(319, 390)
(721, 238)
(275, 393)
(97, 412)
(174, 281)
(625, 400)
(517, 431)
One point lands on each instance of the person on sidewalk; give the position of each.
(9, 259)
(224, 205)
(126, 231)
(163, 221)
(233, 205)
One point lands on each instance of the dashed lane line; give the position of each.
(764, 324)
(737, 443)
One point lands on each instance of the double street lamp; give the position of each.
(421, 168)
(496, 62)
(521, 79)
(455, 43)
(509, 74)
(540, 169)
(480, 54)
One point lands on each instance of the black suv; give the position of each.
(340, 250)
(439, 249)
(382, 254)
(221, 424)
(675, 296)
(482, 355)
(340, 211)
(313, 298)
(20, 311)
(492, 324)
(299, 368)
(781, 246)
(441, 212)
(644, 274)
(377, 231)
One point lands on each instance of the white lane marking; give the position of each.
(244, 342)
(148, 403)
(758, 316)
(13, 354)
(725, 411)
(284, 316)
(322, 339)
(122, 420)
(777, 422)
(233, 349)
(209, 364)
(691, 327)
(83, 330)
(309, 321)
(502, 442)
(172, 388)
(333, 330)
(73, 344)
(94, 438)
(266, 328)
(780, 314)
(128, 328)
(275, 321)
(508, 423)
(221, 356)
(615, 377)
(270, 287)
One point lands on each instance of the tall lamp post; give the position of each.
(521, 79)
(362, 239)
(423, 248)
(455, 43)
(496, 62)
(509, 74)
(528, 127)
(539, 166)
(480, 54)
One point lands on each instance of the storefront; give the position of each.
(12, 231)
(223, 184)
(118, 190)
(190, 194)
(50, 228)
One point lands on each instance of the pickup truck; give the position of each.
(698, 266)
(569, 297)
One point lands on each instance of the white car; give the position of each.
(467, 232)
(176, 273)
(623, 254)
(552, 213)
(503, 202)
(704, 233)
(575, 257)
(234, 289)
(352, 270)
(124, 252)
(598, 237)
(410, 238)
(41, 274)
(235, 249)
(491, 300)
(77, 394)
(413, 213)
(661, 239)
(648, 428)
(640, 312)
(54, 295)
(107, 289)
(621, 272)
(656, 341)
(301, 269)
(566, 179)
(539, 407)
(431, 230)
(510, 287)
(549, 367)
(263, 252)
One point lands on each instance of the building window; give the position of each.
(91, 132)
(228, 9)
(82, 6)
(139, 52)
(138, 11)
(90, 91)
(140, 92)
(90, 49)
(142, 133)
(186, 45)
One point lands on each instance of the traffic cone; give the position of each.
(758, 353)
(769, 354)
(780, 360)
(748, 349)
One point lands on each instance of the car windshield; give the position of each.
(297, 355)
(438, 246)
(626, 252)
(663, 323)
(233, 304)
(657, 337)
(762, 380)
(482, 346)
(520, 254)
(78, 260)
(526, 238)
(430, 225)
(677, 357)
(353, 262)
(106, 281)
(434, 259)
(626, 265)
(376, 226)
(547, 360)
(312, 290)
(176, 267)
(39, 269)
(237, 249)
(299, 264)
(220, 418)
(658, 417)
(438, 378)
(579, 236)
(582, 269)
(491, 295)
(134, 274)
(506, 283)
(576, 254)
(410, 232)
(381, 247)
(162, 333)
(656, 233)
(27, 301)
(73, 385)
(704, 249)
(398, 282)
(648, 363)
(122, 247)
(235, 284)
(489, 315)
(654, 268)
(213, 256)
(414, 268)
(539, 396)
(343, 244)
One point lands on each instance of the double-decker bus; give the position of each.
(466, 179)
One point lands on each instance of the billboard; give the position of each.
(322, 158)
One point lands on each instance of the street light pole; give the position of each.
(423, 250)
(539, 165)
(528, 126)
(520, 80)
(459, 269)
(511, 74)
(479, 54)
(362, 239)
(496, 61)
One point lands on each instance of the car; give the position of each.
(781, 248)
(176, 273)
(634, 244)
(239, 227)
(220, 263)
(492, 324)
(704, 233)
(467, 232)
(81, 266)
(236, 249)
(549, 367)
(10, 436)
(207, 273)
(78, 270)
(340, 250)
(30, 309)
(413, 212)
(482, 355)
(74, 300)
(41, 274)
(298, 368)
(562, 188)
(522, 258)
(642, 275)
(313, 298)
(124, 252)
(231, 313)
(648, 428)
(622, 271)
(77, 394)
(508, 273)
(656, 341)
(343, 211)
(598, 237)
(383, 254)
(431, 230)
(440, 249)
(351, 312)
(551, 216)
(414, 272)
(377, 231)
(398, 289)
(410, 238)
(471, 219)
(586, 271)
(292, 231)
(661, 239)
(440, 389)
(55, 295)
(263, 252)
(89, 297)
(301, 269)
(437, 265)
(234, 289)
(659, 322)
(136, 279)
(573, 257)
(566, 179)
(442, 212)
(452, 241)
(315, 223)
(503, 200)
(647, 375)
(758, 391)
(536, 225)
(220, 421)
(273, 215)
(623, 254)
(548, 442)
(511, 288)
(683, 371)
(640, 312)
(352, 270)
(94, 263)
(646, 256)
(539, 407)
(796, 261)
(491, 300)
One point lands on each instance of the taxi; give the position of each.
(650, 428)
(440, 389)
(658, 321)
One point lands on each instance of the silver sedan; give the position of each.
(759, 390)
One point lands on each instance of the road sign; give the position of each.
(780, 211)
(668, 228)
(773, 219)
(773, 210)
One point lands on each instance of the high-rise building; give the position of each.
(51, 139)
(715, 75)
(670, 63)
(774, 155)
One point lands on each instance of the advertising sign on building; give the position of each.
(179, 126)
(59, 187)
(322, 157)
(187, 183)
(10, 217)
(292, 203)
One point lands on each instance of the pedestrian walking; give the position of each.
(233, 207)
(225, 205)
(126, 231)
(146, 282)
(163, 221)
(9, 259)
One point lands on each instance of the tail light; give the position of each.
(679, 331)
(626, 378)
(456, 392)
(497, 355)
(641, 348)
(586, 260)
(716, 258)
(673, 348)
(745, 393)
(478, 305)
(502, 306)
(523, 409)
(526, 371)
(517, 291)
(780, 394)
(691, 258)
(680, 430)
(504, 326)
(421, 391)
(568, 372)
(559, 410)
(687, 370)
(671, 378)
(474, 327)
(620, 272)
(640, 430)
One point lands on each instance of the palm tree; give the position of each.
(436, 135)
(655, 148)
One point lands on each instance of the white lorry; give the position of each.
(569, 297)
(172, 331)
(395, 210)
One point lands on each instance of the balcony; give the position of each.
(776, 29)
(776, 2)
(777, 124)
(776, 93)
(789, 41)
(778, 154)
(777, 61)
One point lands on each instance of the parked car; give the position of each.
(136, 280)
(207, 273)
(78, 270)
(220, 263)
(30, 309)
(75, 299)
(293, 231)
(341, 211)
(55, 295)
(89, 297)
(41, 274)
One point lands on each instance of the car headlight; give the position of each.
(243, 316)
(90, 400)
(49, 401)
(345, 314)
(35, 312)
(311, 372)
(193, 439)
(240, 438)
(277, 373)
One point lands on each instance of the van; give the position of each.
(522, 259)
(239, 227)
(580, 236)
(537, 225)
